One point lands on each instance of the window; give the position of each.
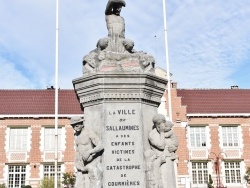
(199, 172)
(18, 139)
(232, 172)
(16, 177)
(49, 171)
(230, 136)
(49, 139)
(198, 136)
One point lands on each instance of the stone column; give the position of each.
(120, 107)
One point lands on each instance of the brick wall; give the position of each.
(179, 113)
(35, 159)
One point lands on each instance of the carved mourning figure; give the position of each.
(88, 155)
(115, 23)
(115, 52)
(160, 159)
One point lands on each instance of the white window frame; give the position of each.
(49, 171)
(18, 139)
(230, 136)
(17, 173)
(49, 139)
(235, 173)
(204, 174)
(198, 137)
(61, 139)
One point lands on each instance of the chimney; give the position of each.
(174, 85)
(235, 87)
(51, 87)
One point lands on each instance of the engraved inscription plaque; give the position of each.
(123, 156)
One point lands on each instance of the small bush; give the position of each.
(69, 179)
(247, 176)
(3, 186)
(26, 186)
(210, 182)
(47, 183)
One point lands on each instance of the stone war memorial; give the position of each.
(121, 141)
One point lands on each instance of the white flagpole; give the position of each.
(56, 93)
(169, 81)
(167, 62)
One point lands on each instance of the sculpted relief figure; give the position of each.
(160, 159)
(88, 155)
(90, 60)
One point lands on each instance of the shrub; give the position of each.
(69, 179)
(3, 186)
(47, 183)
(247, 175)
(210, 182)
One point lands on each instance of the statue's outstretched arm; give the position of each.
(110, 4)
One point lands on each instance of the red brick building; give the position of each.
(209, 123)
(27, 135)
(213, 127)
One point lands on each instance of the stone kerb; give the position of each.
(96, 88)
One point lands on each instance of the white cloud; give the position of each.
(210, 45)
(208, 40)
(11, 78)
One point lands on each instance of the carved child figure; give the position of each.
(87, 157)
(91, 60)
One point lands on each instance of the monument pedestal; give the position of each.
(119, 108)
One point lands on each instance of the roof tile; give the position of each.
(16, 102)
(215, 100)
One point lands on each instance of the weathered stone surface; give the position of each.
(123, 139)
(120, 93)
(120, 108)
(115, 52)
(89, 149)
(109, 61)
(126, 87)
(160, 159)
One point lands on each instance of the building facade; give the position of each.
(213, 127)
(27, 141)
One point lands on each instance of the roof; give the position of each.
(200, 101)
(207, 101)
(37, 102)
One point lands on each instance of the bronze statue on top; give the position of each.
(115, 23)
(115, 52)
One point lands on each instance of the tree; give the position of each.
(69, 179)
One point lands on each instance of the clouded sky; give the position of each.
(209, 41)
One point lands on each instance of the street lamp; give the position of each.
(218, 157)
